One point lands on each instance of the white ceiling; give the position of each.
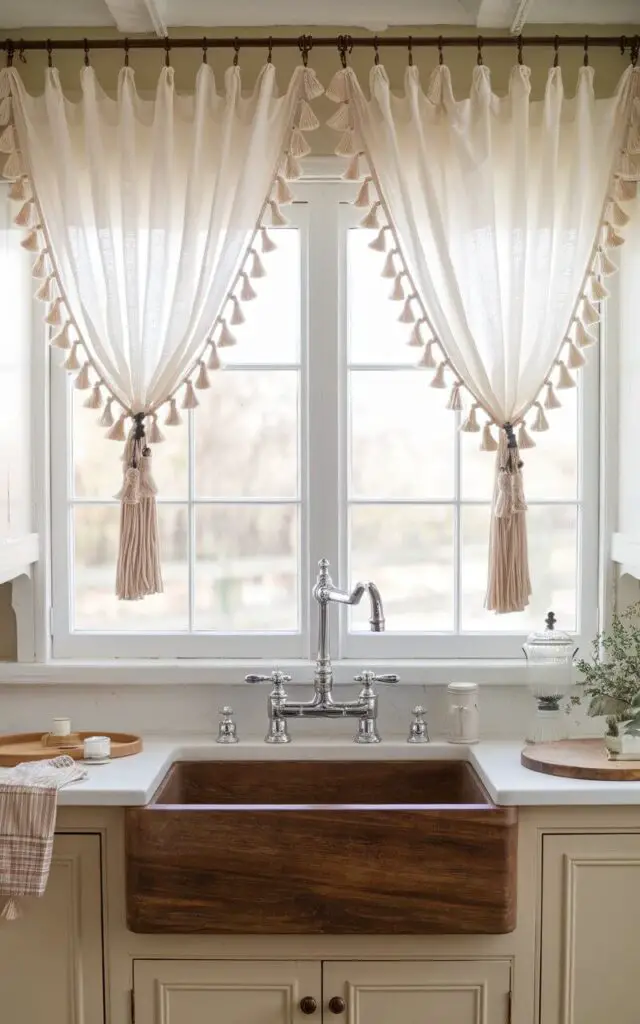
(161, 16)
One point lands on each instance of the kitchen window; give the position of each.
(319, 438)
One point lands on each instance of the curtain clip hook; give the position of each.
(410, 51)
(479, 59)
(87, 62)
(585, 59)
(305, 44)
(21, 54)
(440, 52)
(270, 50)
(376, 54)
(49, 53)
(556, 48)
(623, 45)
(204, 49)
(236, 51)
(342, 50)
(167, 52)
(126, 51)
(520, 45)
(10, 50)
(635, 51)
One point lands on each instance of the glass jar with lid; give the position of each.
(550, 654)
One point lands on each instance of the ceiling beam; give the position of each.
(138, 15)
(510, 14)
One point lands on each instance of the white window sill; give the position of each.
(161, 672)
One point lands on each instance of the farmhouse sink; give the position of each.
(331, 847)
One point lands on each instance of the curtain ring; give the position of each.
(305, 44)
(376, 58)
(167, 52)
(204, 49)
(49, 53)
(270, 50)
(21, 53)
(410, 51)
(479, 59)
(556, 47)
(236, 51)
(520, 60)
(87, 62)
(585, 59)
(440, 53)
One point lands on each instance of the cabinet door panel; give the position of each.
(51, 957)
(236, 992)
(418, 992)
(590, 956)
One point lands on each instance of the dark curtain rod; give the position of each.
(306, 42)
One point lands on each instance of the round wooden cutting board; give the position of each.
(28, 746)
(579, 759)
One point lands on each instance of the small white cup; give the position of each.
(97, 748)
(61, 727)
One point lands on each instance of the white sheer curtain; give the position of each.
(502, 210)
(144, 211)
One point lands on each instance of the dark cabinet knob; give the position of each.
(308, 1004)
(337, 1005)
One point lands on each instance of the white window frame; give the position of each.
(323, 215)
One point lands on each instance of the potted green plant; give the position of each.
(611, 682)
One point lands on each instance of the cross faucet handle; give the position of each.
(368, 678)
(277, 678)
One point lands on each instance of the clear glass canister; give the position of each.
(549, 655)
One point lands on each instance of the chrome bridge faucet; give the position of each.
(322, 704)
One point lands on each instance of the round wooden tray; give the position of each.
(578, 759)
(29, 746)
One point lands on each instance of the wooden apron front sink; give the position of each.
(331, 847)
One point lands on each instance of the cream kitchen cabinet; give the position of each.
(236, 992)
(590, 954)
(418, 992)
(279, 992)
(51, 957)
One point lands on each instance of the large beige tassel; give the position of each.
(72, 362)
(455, 398)
(117, 430)
(94, 399)
(575, 358)
(283, 193)
(24, 216)
(106, 420)
(597, 290)
(488, 442)
(524, 438)
(190, 399)
(8, 141)
(31, 241)
(438, 381)
(174, 419)
(40, 266)
(337, 90)
(313, 87)
(11, 910)
(565, 380)
(415, 338)
(307, 120)
(138, 572)
(509, 583)
(82, 381)
(607, 266)
(352, 171)
(5, 110)
(611, 237)
(155, 435)
(19, 188)
(346, 144)
(14, 167)
(582, 336)
(202, 380)
(617, 215)
(46, 290)
(588, 313)
(54, 315)
(278, 219)
(625, 191)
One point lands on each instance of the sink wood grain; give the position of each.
(334, 847)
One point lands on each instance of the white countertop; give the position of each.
(131, 781)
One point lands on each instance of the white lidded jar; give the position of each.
(549, 655)
(464, 716)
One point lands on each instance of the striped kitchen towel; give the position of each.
(28, 795)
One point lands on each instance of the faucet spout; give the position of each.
(376, 619)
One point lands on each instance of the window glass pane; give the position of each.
(550, 469)
(247, 568)
(402, 436)
(553, 538)
(246, 433)
(375, 336)
(271, 333)
(97, 608)
(408, 551)
(97, 461)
